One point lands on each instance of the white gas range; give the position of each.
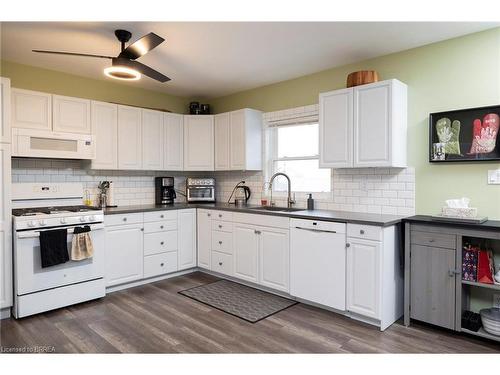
(43, 207)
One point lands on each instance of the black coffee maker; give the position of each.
(164, 190)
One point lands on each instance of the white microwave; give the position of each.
(47, 144)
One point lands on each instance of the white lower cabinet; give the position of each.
(363, 277)
(246, 252)
(222, 263)
(159, 264)
(274, 258)
(204, 229)
(124, 253)
(187, 238)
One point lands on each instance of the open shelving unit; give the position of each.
(475, 295)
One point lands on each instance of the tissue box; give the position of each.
(467, 213)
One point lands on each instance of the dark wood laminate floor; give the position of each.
(155, 319)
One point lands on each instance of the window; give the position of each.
(293, 149)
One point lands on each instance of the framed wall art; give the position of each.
(465, 135)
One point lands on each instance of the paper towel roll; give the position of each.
(111, 195)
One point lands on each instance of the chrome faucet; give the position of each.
(290, 201)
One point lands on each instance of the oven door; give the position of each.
(200, 194)
(31, 277)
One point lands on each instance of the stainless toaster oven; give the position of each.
(200, 189)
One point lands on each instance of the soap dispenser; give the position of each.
(310, 203)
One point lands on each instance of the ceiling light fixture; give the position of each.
(123, 73)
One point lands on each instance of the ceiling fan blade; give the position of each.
(143, 69)
(72, 54)
(142, 46)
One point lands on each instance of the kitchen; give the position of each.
(257, 220)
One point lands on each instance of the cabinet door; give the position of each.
(71, 115)
(274, 259)
(124, 254)
(222, 125)
(104, 119)
(199, 143)
(5, 135)
(31, 109)
(372, 125)
(187, 238)
(246, 252)
(335, 129)
(237, 141)
(152, 140)
(432, 286)
(5, 228)
(173, 144)
(129, 138)
(363, 277)
(204, 238)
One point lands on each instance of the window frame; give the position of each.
(271, 149)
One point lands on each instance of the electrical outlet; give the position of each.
(496, 300)
(494, 177)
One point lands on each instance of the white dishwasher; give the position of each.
(318, 262)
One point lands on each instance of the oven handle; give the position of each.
(34, 234)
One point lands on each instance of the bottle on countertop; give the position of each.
(310, 203)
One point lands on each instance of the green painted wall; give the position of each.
(458, 73)
(34, 78)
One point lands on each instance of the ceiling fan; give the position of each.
(124, 66)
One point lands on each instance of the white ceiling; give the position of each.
(211, 59)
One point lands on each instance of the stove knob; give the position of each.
(82, 219)
(42, 222)
(63, 220)
(31, 223)
(91, 218)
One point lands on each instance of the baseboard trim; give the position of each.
(5, 313)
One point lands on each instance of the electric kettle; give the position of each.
(242, 195)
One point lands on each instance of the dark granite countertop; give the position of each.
(326, 215)
(427, 219)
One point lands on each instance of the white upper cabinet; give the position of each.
(129, 138)
(152, 139)
(5, 136)
(238, 140)
(199, 143)
(31, 109)
(71, 115)
(380, 119)
(222, 142)
(364, 126)
(104, 118)
(335, 129)
(173, 145)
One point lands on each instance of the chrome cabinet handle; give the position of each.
(220, 226)
(220, 263)
(161, 243)
(347, 245)
(452, 273)
(162, 264)
(142, 229)
(431, 240)
(162, 216)
(209, 215)
(124, 219)
(220, 242)
(361, 231)
(316, 230)
(257, 232)
(220, 215)
(161, 226)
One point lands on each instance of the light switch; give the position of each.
(494, 177)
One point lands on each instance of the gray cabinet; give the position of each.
(432, 285)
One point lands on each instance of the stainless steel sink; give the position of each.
(275, 209)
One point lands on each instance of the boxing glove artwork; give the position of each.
(484, 134)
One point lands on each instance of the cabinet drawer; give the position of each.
(160, 242)
(222, 226)
(160, 226)
(222, 215)
(160, 215)
(222, 241)
(110, 220)
(160, 264)
(319, 225)
(222, 263)
(447, 241)
(367, 232)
